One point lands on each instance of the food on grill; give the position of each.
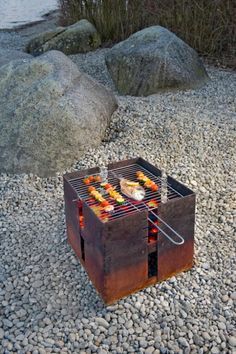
(106, 185)
(86, 180)
(147, 182)
(152, 203)
(99, 198)
(113, 193)
(132, 189)
(97, 178)
(91, 179)
(109, 208)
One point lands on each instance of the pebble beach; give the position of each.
(48, 304)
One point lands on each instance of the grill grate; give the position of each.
(130, 205)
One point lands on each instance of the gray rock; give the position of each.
(102, 322)
(20, 337)
(21, 313)
(81, 37)
(232, 341)
(206, 336)
(7, 55)
(143, 343)
(150, 350)
(112, 330)
(233, 295)
(37, 284)
(222, 325)
(197, 340)
(154, 59)
(225, 298)
(50, 114)
(183, 342)
(7, 323)
(129, 324)
(1, 333)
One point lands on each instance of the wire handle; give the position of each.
(178, 243)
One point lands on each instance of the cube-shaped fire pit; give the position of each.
(139, 243)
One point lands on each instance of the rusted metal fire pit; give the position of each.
(139, 243)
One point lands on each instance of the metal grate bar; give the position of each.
(129, 206)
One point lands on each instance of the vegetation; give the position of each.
(209, 26)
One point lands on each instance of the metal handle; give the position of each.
(178, 243)
(160, 229)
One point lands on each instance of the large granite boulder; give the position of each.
(7, 55)
(80, 37)
(154, 59)
(50, 114)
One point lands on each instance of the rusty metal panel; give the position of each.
(179, 187)
(123, 163)
(180, 215)
(125, 256)
(72, 218)
(94, 264)
(93, 226)
(78, 174)
(149, 167)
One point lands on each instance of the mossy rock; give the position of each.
(80, 37)
(51, 113)
(154, 59)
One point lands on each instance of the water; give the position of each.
(18, 12)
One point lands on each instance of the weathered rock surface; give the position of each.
(50, 113)
(6, 55)
(154, 59)
(81, 37)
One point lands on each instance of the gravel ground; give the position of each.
(47, 303)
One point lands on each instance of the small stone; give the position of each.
(7, 323)
(215, 350)
(143, 343)
(206, 336)
(182, 341)
(233, 295)
(197, 340)
(37, 284)
(206, 266)
(232, 341)
(101, 351)
(193, 182)
(20, 337)
(129, 324)
(225, 298)
(149, 350)
(1, 333)
(21, 313)
(112, 330)
(72, 337)
(221, 325)
(102, 322)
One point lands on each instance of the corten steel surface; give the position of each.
(118, 254)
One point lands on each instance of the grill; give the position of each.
(138, 243)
